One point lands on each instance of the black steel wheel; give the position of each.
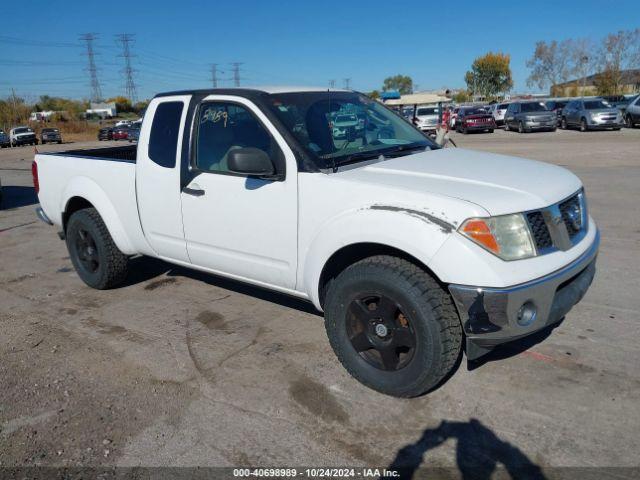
(392, 326)
(380, 332)
(85, 247)
(95, 256)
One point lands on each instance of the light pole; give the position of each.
(584, 60)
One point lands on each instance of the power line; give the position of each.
(130, 87)
(96, 92)
(236, 73)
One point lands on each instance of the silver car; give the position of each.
(527, 116)
(591, 114)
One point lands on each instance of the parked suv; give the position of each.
(105, 133)
(632, 113)
(529, 116)
(22, 136)
(4, 140)
(498, 110)
(557, 106)
(474, 119)
(50, 135)
(591, 114)
(427, 117)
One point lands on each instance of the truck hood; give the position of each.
(498, 183)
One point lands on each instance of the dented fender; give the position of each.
(417, 232)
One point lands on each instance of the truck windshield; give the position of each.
(343, 127)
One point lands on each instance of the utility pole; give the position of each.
(347, 83)
(214, 75)
(96, 93)
(236, 73)
(332, 83)
(130, 87)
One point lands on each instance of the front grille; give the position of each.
(571, 211)
(546, 225)
(539, 230)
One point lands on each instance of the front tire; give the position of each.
(392, 326)
(563, 123)
(583, 125)
(521, 127)
(95, 256)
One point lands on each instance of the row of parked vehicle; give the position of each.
(20, 136)
(591, 113)
(121, 131)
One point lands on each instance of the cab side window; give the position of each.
(224, 127)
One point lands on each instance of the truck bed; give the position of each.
(125, 153)
(105, 177)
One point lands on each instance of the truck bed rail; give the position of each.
(126, 153)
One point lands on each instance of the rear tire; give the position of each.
(95, 256)
(414, 310)
(563, 123)
(583, 125)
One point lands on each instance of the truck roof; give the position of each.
(250, 91)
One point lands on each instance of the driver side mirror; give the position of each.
(250, 161)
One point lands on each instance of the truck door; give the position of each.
(158, 176)
(235, 224)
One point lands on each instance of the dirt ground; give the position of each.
(185, 369)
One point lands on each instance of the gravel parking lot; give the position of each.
(181, 368)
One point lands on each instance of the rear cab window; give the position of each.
(163, 140)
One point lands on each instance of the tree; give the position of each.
(490, 75)
(462, 96)
(401, 83)
(123, 104)
(375, 94)
(617, 53)
(550, 64)
(140, 106)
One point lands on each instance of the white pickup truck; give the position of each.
(409, 249)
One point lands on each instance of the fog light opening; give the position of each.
(526, 314)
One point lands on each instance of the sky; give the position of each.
(302, 42)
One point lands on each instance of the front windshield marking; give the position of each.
(336, 127)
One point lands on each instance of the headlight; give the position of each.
(506, 236)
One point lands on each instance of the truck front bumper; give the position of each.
(491, 316)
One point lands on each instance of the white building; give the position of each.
(104, 110)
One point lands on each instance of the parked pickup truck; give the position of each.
(410, 250)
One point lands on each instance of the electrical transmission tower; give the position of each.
(130, 87)
(96, 93)
(236, 73)
(332, 83)
(214, 75)
(347, 83)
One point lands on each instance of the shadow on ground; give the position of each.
(14, 197)
(143, 269)
(479, 452)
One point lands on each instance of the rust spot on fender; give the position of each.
(445, 227)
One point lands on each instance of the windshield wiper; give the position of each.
(401, 150)
(357, 157)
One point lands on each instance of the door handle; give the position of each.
(196, 191)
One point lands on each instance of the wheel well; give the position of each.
(73, 205)
(351, 254)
